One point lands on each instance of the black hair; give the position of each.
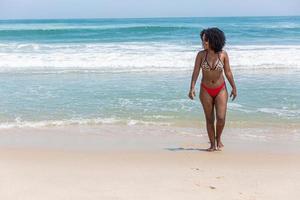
(215, 37)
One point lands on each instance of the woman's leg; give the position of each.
(221, 107)
(208, 107)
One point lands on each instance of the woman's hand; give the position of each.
(192, 94)
(233, 93)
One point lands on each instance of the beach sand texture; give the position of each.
(163, 166)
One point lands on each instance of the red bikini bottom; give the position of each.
(213, 92)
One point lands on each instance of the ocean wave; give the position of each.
(96, 34)
(284, 112)
(138, 57)
(18, 123)
(239, 108)
(65, 29)
(281, 112)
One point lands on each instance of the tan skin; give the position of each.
(213, 79)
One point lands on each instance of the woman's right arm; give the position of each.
(195, 75)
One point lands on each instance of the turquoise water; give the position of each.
(239, 30)
(137, 71)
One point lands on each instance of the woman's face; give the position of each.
(205, 43)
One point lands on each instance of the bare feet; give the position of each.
(219, 144)
(218, 149)
(211, 148)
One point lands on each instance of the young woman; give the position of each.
(213, 93)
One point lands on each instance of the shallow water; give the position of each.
(139, 98)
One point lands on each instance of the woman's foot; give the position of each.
(211, 148)
(218, 149)
(219, 144)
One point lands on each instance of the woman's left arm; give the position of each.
(229, 76)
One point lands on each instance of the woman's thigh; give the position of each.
(221, 103)
(208, 104)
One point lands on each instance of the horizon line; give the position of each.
(157, 17)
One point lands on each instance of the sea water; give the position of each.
(138, 71)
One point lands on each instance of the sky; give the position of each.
(55, 9)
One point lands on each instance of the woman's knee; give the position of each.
(221, 119)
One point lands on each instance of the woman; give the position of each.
(213, 93)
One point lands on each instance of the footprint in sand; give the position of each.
(197, 169)
(212, 187)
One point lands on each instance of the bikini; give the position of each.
(213, 92)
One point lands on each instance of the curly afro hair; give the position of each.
(215, 37)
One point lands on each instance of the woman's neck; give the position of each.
(210, 51)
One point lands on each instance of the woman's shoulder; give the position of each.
(201, 53)
(223, 53)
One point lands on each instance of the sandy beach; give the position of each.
(98, 108)
(83, 163)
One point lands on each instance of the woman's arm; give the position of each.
(195, 75)
(229, 76)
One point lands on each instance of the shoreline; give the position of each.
(150, 137)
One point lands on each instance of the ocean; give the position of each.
(138, 71)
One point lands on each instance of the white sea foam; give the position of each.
(280, 112)
(239, 107)
(142, 122)
(138, 56)
(18, 123)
